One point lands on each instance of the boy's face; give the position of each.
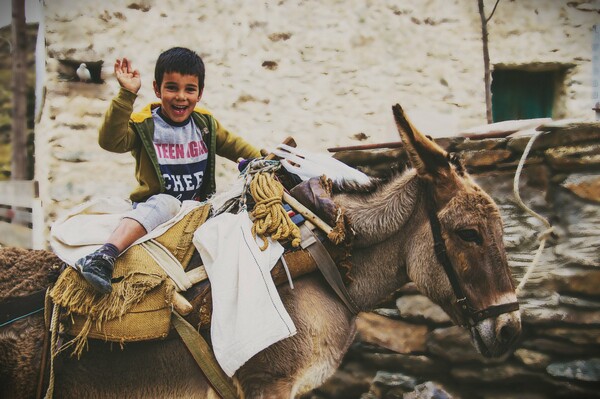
(179, 94)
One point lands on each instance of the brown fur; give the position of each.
(393, 245)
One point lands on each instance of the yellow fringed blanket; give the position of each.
(139, 306)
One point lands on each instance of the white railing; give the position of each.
(21, 216)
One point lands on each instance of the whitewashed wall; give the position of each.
(340, 67)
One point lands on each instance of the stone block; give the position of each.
(588, 337)
(416, 364)
(419, 308)
(556, 137)
(574, 158)
(576, 281)
(584, 185)
(581, 370)
(533, 359)
(394, 335)
(485, 159)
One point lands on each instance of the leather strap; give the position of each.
(204, 357)
(327, 267)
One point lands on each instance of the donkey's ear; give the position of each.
(429, 159)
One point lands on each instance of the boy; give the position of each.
(174, 146)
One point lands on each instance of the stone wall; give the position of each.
(324, 72)
(410, 341)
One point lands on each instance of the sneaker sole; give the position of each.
(97, 283)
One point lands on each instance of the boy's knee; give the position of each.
(157, 210)
(168, 205)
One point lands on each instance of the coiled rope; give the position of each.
(270, 219)
(543, 236)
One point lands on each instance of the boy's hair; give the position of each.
(181, 60)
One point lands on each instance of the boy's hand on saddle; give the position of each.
(128, 77)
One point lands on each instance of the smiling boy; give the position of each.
(174, 146)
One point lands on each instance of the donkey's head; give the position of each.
(457, 256)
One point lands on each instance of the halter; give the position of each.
(470, 315)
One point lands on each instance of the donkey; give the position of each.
(431, 225)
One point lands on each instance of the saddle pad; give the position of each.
(139, 306)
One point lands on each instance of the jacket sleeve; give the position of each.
(232, 146)
(116, 134)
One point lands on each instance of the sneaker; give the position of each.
(96, 268)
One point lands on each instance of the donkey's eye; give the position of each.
(470, 235)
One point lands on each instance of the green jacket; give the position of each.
(123, 131)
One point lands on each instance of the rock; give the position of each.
(428, 390)
(485, 158)
(583, 251)
(574, 158)
(590, 336)
(478, 145)
(586, 186)
(391, 334)
(500, 374)
(389, 313)
(581, 370)
(416, 364)
(555, 137)
(559, 317)
(554, 346)
(579, 302)
(533, 359)
(391, 385)
(576, 281)
(348, 382)
(419, 308)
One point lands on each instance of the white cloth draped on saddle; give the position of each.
(87, 227)
(248, 315)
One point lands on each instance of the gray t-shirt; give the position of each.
(182, 155)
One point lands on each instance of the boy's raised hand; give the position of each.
(128, 77)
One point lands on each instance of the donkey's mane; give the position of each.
(455, 160)
(379, 208)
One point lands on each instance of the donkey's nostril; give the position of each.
(508, 332)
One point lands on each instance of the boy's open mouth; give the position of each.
(179, 109)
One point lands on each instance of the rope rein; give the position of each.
(53, 349)
(543, 236)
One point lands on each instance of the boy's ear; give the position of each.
(200, 94)
(156, 89)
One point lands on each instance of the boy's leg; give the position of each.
(97, 267)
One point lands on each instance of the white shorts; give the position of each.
(155, 211)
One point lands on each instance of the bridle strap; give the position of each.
(470, 315)
(493, 311)
(439, 246)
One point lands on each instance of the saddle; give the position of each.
(140, 304)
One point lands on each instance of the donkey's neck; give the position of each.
(382, 221)
(376, 216)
